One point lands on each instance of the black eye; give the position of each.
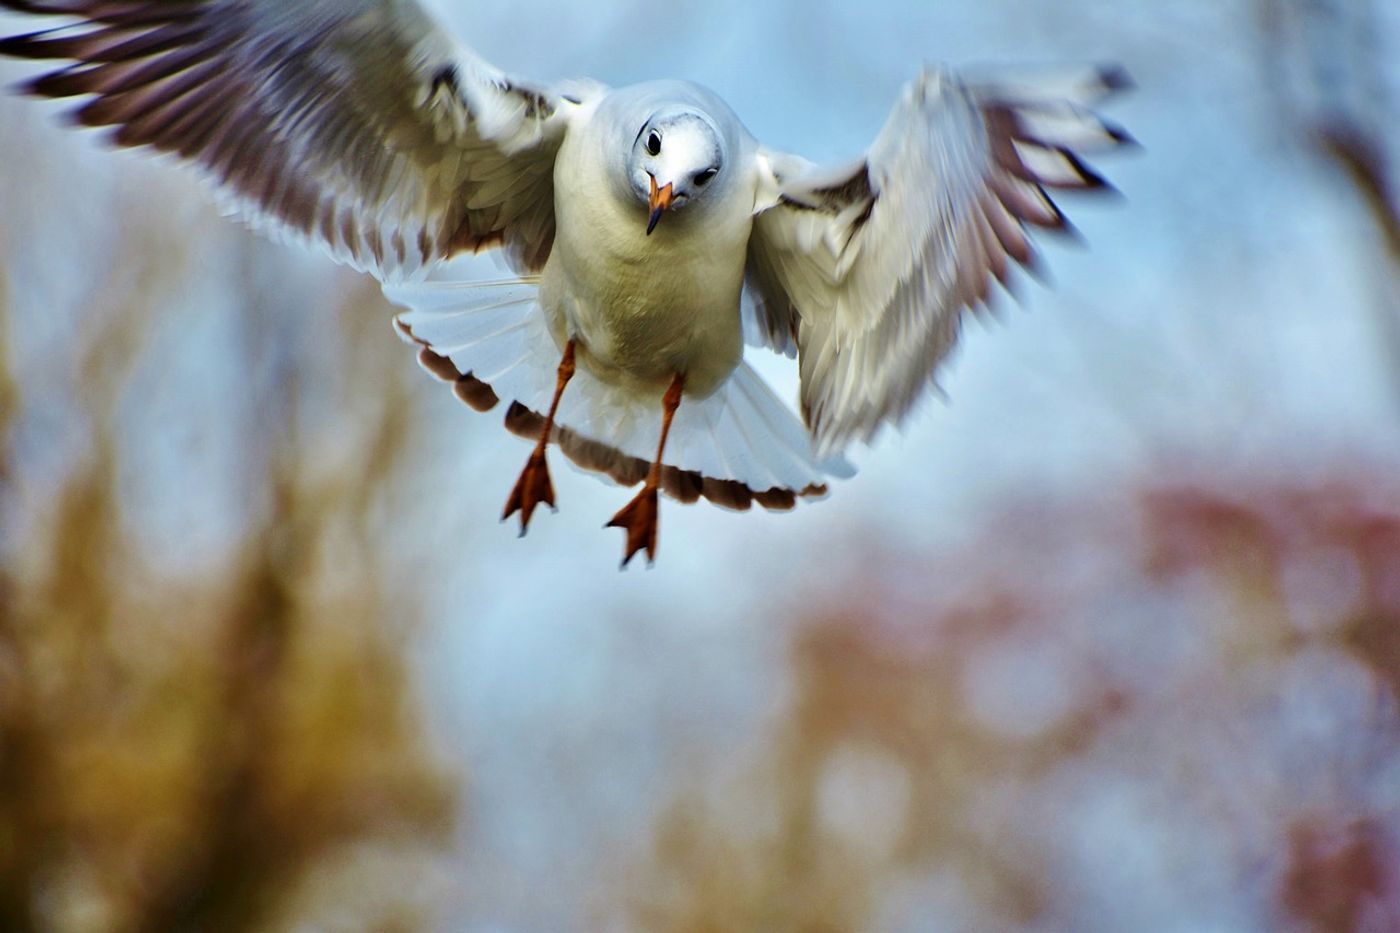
(704, 178)
(654, 143)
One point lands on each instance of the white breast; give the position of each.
(645, 308)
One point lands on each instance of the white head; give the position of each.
(675, 160)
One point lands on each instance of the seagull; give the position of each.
(649, 235)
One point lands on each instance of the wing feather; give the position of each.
(867, 269)
(360, 124)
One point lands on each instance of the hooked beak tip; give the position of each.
(655, 219)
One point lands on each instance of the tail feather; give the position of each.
(738, 446)
(733, 450)
(449, 336)
(778, 460)
(777, 421)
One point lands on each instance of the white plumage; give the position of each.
(650, 231)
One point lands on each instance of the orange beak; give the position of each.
(661, 199)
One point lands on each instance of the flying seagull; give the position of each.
(650, 234)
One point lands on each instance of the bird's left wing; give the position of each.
(360, 124)
(867, 268)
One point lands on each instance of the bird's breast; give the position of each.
(645, 308)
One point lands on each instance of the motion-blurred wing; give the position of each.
(358, 123)
(867, 269)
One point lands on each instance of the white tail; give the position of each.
(492, 340)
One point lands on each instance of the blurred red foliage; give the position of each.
(1124, 710)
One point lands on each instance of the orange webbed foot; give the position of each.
(638, 519)
(532, 488)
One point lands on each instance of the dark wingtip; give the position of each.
(1122, 137)
(1062, 225)
(1116, 78)
(17, 46)
(1088, 177)
(67, 82)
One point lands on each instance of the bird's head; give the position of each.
(675, 160)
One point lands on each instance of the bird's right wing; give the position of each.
(361, 124)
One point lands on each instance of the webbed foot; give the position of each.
(532, 488)
(638, 519)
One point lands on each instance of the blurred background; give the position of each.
(1110, 639)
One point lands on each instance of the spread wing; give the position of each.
(357, 123)
(867, 269)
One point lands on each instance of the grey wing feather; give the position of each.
(867, 269)
(357, 123)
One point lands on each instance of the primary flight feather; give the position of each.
(649, 231)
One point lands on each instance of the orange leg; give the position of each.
(638, 517)
(534, 486)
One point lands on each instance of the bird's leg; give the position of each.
(638, 517)
(534, 486)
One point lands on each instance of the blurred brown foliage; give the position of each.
(231, 750)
